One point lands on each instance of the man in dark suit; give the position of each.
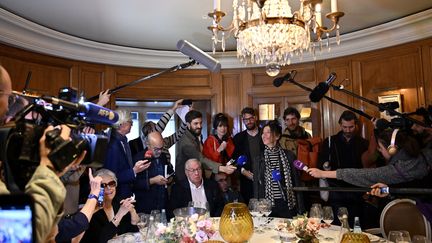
(195, 188)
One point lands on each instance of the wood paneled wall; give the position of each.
(404, 69)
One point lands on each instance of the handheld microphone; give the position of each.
(277, 82)
(97, 114)
(148, 154)
(241, 161)
(198, 55)
(91, 112)
(276, 175)
(321, 89)
(300, 165)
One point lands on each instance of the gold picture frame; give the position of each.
(390, 98)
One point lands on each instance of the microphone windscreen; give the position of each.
(98, 114)
(276, 175)
(148, 154)
(382, 124)
(198, 55)
(318, 92)
(277, 82)
(300, 165)
(241, 160)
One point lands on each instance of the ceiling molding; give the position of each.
(21, 33)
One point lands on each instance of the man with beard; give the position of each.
(190, 147)
(344, 150)
(293, 130)
(249, 144)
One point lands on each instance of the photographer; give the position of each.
(44, 186)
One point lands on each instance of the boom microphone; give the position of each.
(277, 82)
(321, 89)
(198, 55)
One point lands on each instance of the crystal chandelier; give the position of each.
(268, 32)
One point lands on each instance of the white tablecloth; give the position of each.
(270, 235)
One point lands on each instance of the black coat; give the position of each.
(181, 195)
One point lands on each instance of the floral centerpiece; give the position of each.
(306, 228)
(193, 229)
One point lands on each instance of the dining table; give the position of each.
(270, 233)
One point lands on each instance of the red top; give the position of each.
(210, 149)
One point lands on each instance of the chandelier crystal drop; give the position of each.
(269, 33)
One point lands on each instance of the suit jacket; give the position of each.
(187, 148)
(136, 145)
(117, 161)
(181, 195)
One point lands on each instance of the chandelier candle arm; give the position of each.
(268, 32)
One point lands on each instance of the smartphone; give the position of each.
(17, 218)
(100, 199)
(186, 102)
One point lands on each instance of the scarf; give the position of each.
(286, 170)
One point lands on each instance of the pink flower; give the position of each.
(201, 224)
(201, 236)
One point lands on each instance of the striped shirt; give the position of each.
(274, 164)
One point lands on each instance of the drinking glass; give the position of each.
(419, 239)
(342, 214)
(393, 235)
(142, 224)
(265, 208)
(204, 205)
(328, 218)
(156, 215)
(316, 212)
(406, 238)
(254, 211)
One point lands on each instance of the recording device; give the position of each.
(395, 123)
(100, 198)
(241, 161)
(186, 102)
(198, 55)
(388, 106)
(277, 82)
(300, 165)
(21, 141)
(321, 89)
(276, 175)
(17, 218)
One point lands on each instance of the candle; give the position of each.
(334, 7)
(318, 14)
(217, 5)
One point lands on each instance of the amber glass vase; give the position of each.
(236, 223)
(355, 238)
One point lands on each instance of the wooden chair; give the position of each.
(402, 214)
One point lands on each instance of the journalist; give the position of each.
(44, 186)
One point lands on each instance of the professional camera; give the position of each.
(21, 140)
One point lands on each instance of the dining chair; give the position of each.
(402, 214)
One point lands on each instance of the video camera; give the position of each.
(20, 141)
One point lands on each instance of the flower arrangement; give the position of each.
(191, 230)
(305, 228)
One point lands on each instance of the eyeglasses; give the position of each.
(110, 184)
(11, 97)
(157, 149)
(249, 119)
(194, 170)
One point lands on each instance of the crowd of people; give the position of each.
(138, 176)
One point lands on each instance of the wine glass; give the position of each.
(406, 238)
(156, 215)
(316, 212)
(342, 214)
(328, 218)
(204, 205)
(142, 224)
(253, 209)
(394, 235)
(419, 239)
(265, 208)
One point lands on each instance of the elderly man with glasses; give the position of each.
(150, 187)
(196, 189)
